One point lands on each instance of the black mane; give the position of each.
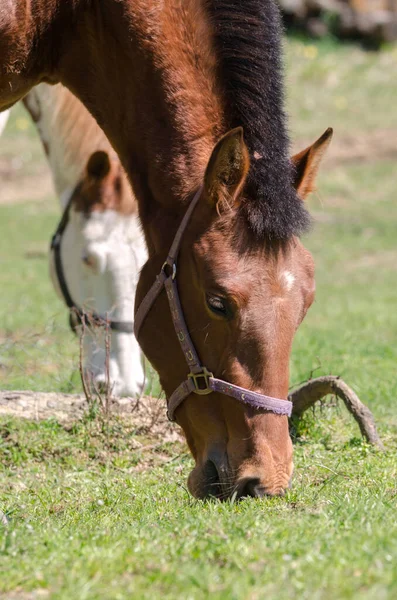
(248, 43)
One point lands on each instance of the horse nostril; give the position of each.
(211, 479)
(252, 488)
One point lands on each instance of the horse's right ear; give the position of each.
(98, 165)
(227, 169)
(307, 163)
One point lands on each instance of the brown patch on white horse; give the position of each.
(105, 187)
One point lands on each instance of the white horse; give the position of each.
(100, 250)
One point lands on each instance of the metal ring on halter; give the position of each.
(167, 264)
(204, 376)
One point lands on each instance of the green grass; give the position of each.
(37, 348)
(340, 85)
(98, 514)
(87, 523)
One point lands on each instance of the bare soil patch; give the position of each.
(149, 415)
(146, 415)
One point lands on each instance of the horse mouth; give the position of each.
(212, 480)
(204, 482)
(212, 486)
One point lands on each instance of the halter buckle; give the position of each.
(200, 379)
(167, 266)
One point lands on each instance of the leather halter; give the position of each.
(199, 380)
(92, 318)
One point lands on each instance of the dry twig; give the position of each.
(313, 390)
(86, 386)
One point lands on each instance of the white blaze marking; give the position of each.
(289, 279)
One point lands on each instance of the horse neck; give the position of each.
(68, 132)
(31, 36)
(144, 70)
(160, 107)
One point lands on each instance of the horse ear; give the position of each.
(227, 168)
(307, 163)
(98, 165)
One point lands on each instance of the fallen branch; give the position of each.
(313, 390)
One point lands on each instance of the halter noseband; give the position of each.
(199, 381)
(92, 318)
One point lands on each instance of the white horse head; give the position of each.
(102, 248)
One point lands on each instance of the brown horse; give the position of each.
(174, 85)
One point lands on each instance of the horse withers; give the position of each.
(190, 95)
(101, 247)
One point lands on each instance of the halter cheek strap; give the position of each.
(200, 381)
(77, 315)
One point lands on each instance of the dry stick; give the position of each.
(108, 386)
(87, 393)
(315, 389)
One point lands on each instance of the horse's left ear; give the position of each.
(227, 169)
(307, 163)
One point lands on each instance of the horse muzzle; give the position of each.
(215, 478)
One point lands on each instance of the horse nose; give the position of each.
(252, 488)
(211, 479)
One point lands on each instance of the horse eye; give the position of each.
(219, 306)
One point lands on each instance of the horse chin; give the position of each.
(203, 482)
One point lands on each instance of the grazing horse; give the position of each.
(102, 248)
(190, 94)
